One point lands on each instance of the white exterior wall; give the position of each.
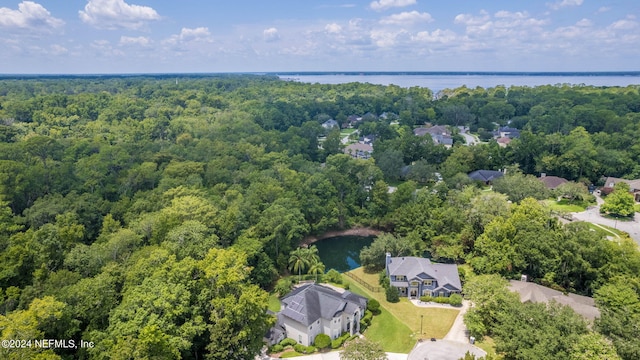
(297, 332)
(332, 327)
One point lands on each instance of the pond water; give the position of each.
(342, 252)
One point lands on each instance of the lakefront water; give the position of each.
(440, 81)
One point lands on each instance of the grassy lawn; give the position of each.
(637, 208)
(274, 303)
(386, 329)
(564, 206)
(487, 344)
(345, 132)
(435, 322)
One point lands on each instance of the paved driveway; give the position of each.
(592, 215)
(443, 350)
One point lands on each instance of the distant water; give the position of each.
(342, 252)
(437, 81)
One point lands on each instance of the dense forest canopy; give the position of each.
(136, 211)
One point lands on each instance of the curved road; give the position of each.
(592, 215)
(469, 139)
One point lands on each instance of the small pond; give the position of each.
(342, 252)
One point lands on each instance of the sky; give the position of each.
(211, 36)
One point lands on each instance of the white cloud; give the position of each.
(187, 35)
(333, 28)
(29, 16)
(564, 3)
(381, 5)
(406, 18)
(386, 39)
(471, 20)
(584, 23)
(624, 24)
(135, 41)
(436, 36)
(56, 49)
(114, 14)
(603, 9)
(270, 34)
(512, 15)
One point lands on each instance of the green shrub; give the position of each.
(283, 286)
(374, 306)
(368, 315)
(383, 279)
(426, 298)
(322, 341)
(339, 341)
(336, 343)
(310, 349)
(363, 326)
(455, 299)
(300, 348)
(441, 300)
(392, 294)
(333, 276)
(288, 342)
(276, 348)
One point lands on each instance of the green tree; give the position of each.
(298, 261)
(333, 143)
(363, 349)
(316, 268)
(390, 162)
(490, 295)
(593, 346)
(573, 191)
(373, 257)
(620, 202)
(619, 303)
(518, 186)
(538, 331)
(29, 325)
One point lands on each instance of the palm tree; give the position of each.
(317, 267)
(298, 261)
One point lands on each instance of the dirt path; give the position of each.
(359, 231)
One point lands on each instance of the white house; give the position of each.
(315, 309)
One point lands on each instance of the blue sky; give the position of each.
(140, 36)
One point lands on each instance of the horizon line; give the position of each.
(348, 73)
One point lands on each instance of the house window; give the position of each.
(415, 283)
(428, 282)
(400, 278)
(441, 294)
(300, 339)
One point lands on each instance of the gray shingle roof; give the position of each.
(485, 175)
(420, 268)
(535, 293)
(311, 302)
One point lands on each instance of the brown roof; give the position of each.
(358, 146)
(634, 185)
(504, 140)
(535, 293)
(552, 182)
